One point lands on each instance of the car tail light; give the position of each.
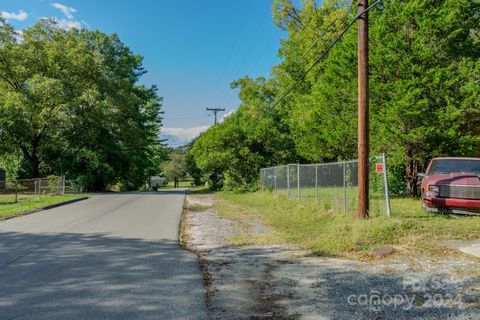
(432, 191)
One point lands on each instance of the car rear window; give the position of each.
(454, 166)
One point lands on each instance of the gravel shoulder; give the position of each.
(282, 282)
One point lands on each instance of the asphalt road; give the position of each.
(114, 256)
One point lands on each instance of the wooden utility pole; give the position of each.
(215, 111)
(363, 130)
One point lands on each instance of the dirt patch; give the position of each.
(282, 282)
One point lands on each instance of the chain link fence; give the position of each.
(334, 186)
(16, 190)
(73, 186)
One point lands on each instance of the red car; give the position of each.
(452, 185)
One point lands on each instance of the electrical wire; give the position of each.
(337, 39)
(319, 38)
(229, 56)
(322, 35)
(247, 53)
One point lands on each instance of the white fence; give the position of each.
(333, 185)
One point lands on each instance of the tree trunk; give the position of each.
(412, 178)
(32, 157)
(33, 160)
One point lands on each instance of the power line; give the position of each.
(247, 53)
(229, 56)
(272, 107)
(320, 37)
(252, 70)
(262, 55)
(249, 48)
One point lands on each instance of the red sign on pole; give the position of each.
(379, 167)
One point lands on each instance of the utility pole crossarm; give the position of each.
(215, 111)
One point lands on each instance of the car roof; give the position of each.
(455, 158)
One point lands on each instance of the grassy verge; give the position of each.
(199, 190)
(327, 233)
(8, 208)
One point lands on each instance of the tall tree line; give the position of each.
(70, 103)
(424, 82)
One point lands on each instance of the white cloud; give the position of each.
(67, 11)
(69, 21)
(64, 23)
(228, 114)
(21, 15)
(68, 24)
(179, 136)
(19, 35)
(186, 133)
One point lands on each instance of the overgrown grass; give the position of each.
(339, 199)
(328, 233)
(202, 189)
(9, 208)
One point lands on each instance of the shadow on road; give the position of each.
(145, 193)
(94, 276)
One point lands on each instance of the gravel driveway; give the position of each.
(280, 282)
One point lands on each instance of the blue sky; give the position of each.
(192, 49)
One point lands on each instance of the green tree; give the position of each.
(424, 69)
(424, 64)
(70, 102)
(193, 170)
(11, 163)
(176, 168)
(231, 154)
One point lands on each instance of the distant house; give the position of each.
(2, 178)
(157, 181)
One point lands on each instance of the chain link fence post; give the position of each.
(316, 183)
(344, 190)
(261, 180)
(264, 177)
(298, 180)
(275, 179)
(288, 181)
(16, 191)
(39, 184)
(385, 181)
